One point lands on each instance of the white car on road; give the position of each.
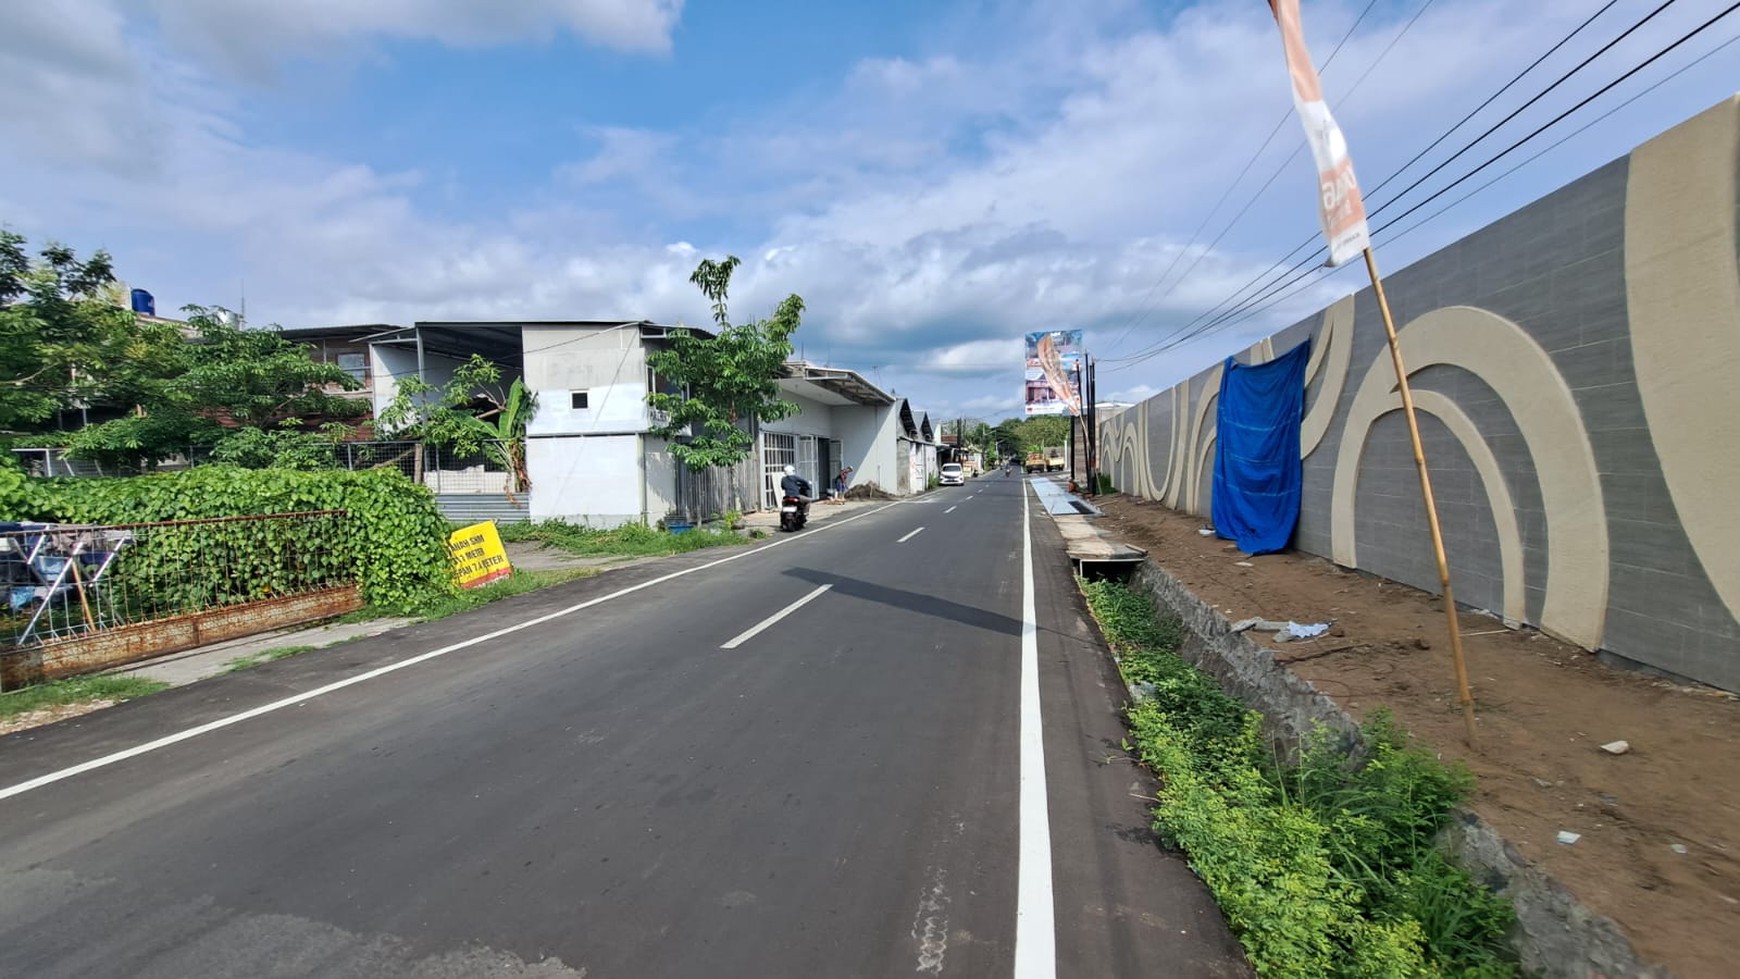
(952, 475)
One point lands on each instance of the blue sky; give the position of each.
(934, 178)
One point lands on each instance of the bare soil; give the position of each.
(48, 715)
(1544, 708)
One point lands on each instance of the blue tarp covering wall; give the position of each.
(1256, 459)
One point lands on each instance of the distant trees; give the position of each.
(1019, 436)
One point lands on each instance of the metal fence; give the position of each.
(441, 469)
(62, 581)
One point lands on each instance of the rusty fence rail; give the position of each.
(63, 581)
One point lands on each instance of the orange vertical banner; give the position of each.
(1339, 203)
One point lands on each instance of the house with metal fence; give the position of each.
(590, 451)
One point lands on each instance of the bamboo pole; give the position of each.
(79, 586)
(1456, 656)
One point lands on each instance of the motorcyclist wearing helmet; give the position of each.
(795, 485)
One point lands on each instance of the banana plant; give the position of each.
(448, 416)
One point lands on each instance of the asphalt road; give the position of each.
(802, 760)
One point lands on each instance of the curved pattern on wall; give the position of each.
(1204, 467)
(1510, 542)
(1333, 346)
(1185, 452)
(1523, 375)
(1683, 296)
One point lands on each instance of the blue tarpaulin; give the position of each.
(1256, 456)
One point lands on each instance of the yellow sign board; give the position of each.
(478, 557)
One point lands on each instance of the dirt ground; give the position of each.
(1544, 709)
(48, 715)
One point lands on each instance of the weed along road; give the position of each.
(880, 747)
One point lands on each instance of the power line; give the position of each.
(1280, 292)
(1652, 59)
(1279, 123)
(1519, 109)
(1502, 89)
(1240, 305)
(1562, 140)
(1394, 40)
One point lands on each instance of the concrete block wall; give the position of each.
(1575, 367)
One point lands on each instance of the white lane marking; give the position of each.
(951, 509)
(910, 536)
(302, 698)
(1035, 923)
(755, 630)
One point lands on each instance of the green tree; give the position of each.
(65, 341)
(238, 390)
(1008, 436)
(1043, 431)
(470, 414)
(724, 384)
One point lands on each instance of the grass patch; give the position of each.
(518, 583)
(631, 540)
(266, 656)
(75, 690)
(1325, 865)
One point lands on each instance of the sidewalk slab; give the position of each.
(179, 669)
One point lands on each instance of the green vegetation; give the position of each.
(1018, 436)
(266, 656)
(1325, 866)
(715, 388)
(394, 542)
(631, 540)
(76, 690)
(71, 347)
(518, 583)
(470, 415)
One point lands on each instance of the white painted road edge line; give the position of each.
(755, 630)
(301, 698)
(1035, 922)
(910, 536)
(951, 509)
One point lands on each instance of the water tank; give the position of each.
(143, 303)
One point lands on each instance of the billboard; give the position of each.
(1053, 383)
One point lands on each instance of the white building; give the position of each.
(589, 449)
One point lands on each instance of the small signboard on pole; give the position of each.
(478, 555)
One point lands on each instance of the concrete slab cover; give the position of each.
(1058, 500)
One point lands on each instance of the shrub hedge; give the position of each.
(395, 538)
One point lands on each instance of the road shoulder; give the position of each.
(1124, 904)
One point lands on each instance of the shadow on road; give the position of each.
(912, 601)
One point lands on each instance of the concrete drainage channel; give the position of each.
(1557, 935)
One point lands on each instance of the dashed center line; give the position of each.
(910, 536)
(951, 509)
(756, 629)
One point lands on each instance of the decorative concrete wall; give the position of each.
(1577, 373)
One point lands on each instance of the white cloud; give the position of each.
(243, 34)
(1037, 171)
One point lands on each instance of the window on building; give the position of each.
(577, 400)
(356, 365)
